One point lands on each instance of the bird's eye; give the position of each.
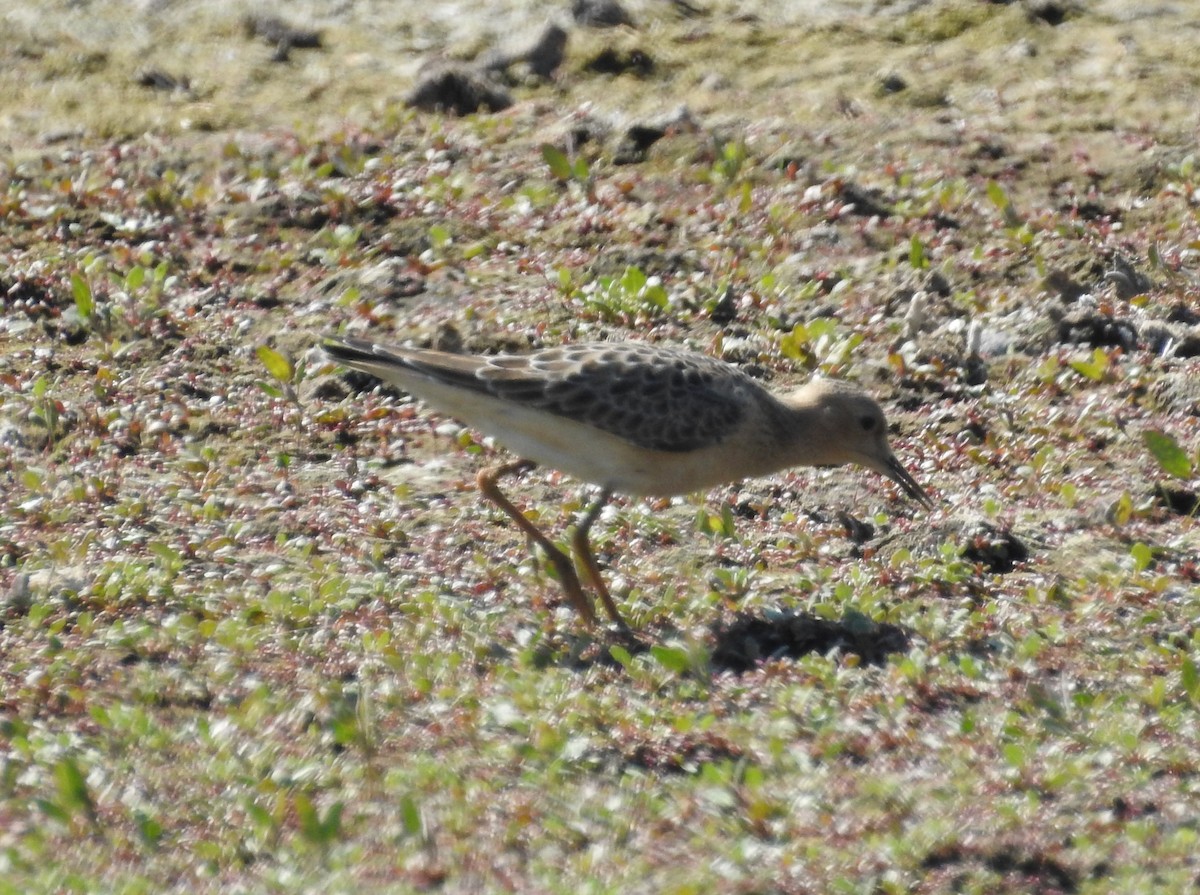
(867, 422)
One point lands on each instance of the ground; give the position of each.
(257, 630)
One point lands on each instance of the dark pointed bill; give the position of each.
(898, 474)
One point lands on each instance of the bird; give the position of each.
(633, 418)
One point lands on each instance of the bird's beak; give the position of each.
(893, 469)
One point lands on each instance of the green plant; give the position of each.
(916, 254)
(1095, 367)
(628, 297)
(1168, 454)
(1008, 211)
(690, 659)
(818, 343)
(563, 168)
(440, 238)
(730, 161)
(286, 374)
(88, 310)
(45, 410)
(321, 830)
(136, 278)
(73, 798)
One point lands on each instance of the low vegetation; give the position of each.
(258, 633)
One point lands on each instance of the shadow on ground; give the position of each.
(752, 639)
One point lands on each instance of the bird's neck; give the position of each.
(800, 425)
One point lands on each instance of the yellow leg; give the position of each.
(583, 552)
(487, 481)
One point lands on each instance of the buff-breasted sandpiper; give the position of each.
(633, 418)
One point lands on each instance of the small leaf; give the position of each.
(166, 553)
(349, 298)
(135, 277)
(621, 655)
(1092, 368)
(969, 666)
(996, 193)
(316, 829)
(72, 789)
(1014, 754)
(277, 364)
(410, 816)
(1000, 199)
(916, 254)
(753, 777)
(1142, 556)
(259, 815)
(1156, 694)
(795, 345)
(84, 303)
(331, 826)
(149, 829)
(306, 813)
(821, 327)
(728, 525)
(439, 236)
(1190, 678)
(71, 784)
(657, 298)
(557, 161)
(1166, 450)
(1122, 511)
(633, 280)
(671, 658)
(52, 810)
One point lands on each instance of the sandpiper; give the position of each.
(632, 418)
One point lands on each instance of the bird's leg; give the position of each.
(583, 551)
(487, 480)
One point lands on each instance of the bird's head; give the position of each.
(848, 426)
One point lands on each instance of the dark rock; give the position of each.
(613, 61)
(545, 56)
(857, 530)
(274, 30)
(1179, 500)
(864, 202)
(1097, 330)
(459, 90)
(891, 82)
(542, 59)
(638, 139)
(1052, 12)
(996, 548)
(725, 310)
(157, 79)
(600, 14)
